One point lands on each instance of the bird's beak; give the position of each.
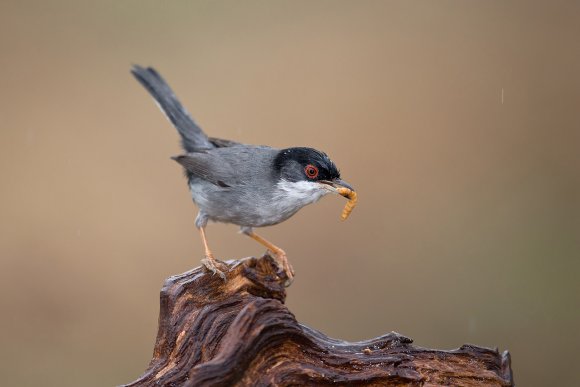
(337, 183)
(342, 188)
(333, 185)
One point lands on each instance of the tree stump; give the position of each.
(238, 332)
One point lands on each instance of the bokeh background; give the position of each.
(457, 121)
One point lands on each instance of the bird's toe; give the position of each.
(287, 270)
(211, 264)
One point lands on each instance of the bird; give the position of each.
(250, 186)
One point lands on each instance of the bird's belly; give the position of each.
(248, 215)
(247, 208)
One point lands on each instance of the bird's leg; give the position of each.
(209, 261)
(280, 254)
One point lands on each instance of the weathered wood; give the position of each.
(239, 332)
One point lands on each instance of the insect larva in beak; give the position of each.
(348, 207)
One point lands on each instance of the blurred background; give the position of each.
(457, 121)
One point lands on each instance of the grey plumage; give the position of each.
(226, 178)
(247, 185)
(227, 185)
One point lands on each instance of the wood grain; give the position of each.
(238, 332)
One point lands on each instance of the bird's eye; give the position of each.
(311, 171)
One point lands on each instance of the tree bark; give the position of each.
(238, 332)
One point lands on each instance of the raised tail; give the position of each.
(192, 137)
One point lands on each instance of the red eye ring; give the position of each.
(311, 171)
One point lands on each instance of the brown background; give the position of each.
(457, 121)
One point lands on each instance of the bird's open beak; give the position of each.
(335, 184)
(342, 188)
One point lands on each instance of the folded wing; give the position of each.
(209, 167)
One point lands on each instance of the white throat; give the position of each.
(301, 193)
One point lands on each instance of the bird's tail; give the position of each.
(192, 137)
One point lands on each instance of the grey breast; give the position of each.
(237, 185)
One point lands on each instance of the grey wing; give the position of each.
(192, 137)
(209, 167)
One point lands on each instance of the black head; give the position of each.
(305, 164)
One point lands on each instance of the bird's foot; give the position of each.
(211, 264)
(287, 269)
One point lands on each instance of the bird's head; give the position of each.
(307, 174)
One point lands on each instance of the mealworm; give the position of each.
(348, 207)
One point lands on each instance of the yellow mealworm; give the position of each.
(348, 207)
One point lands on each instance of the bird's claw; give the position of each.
(211, 264)
(287, 269)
